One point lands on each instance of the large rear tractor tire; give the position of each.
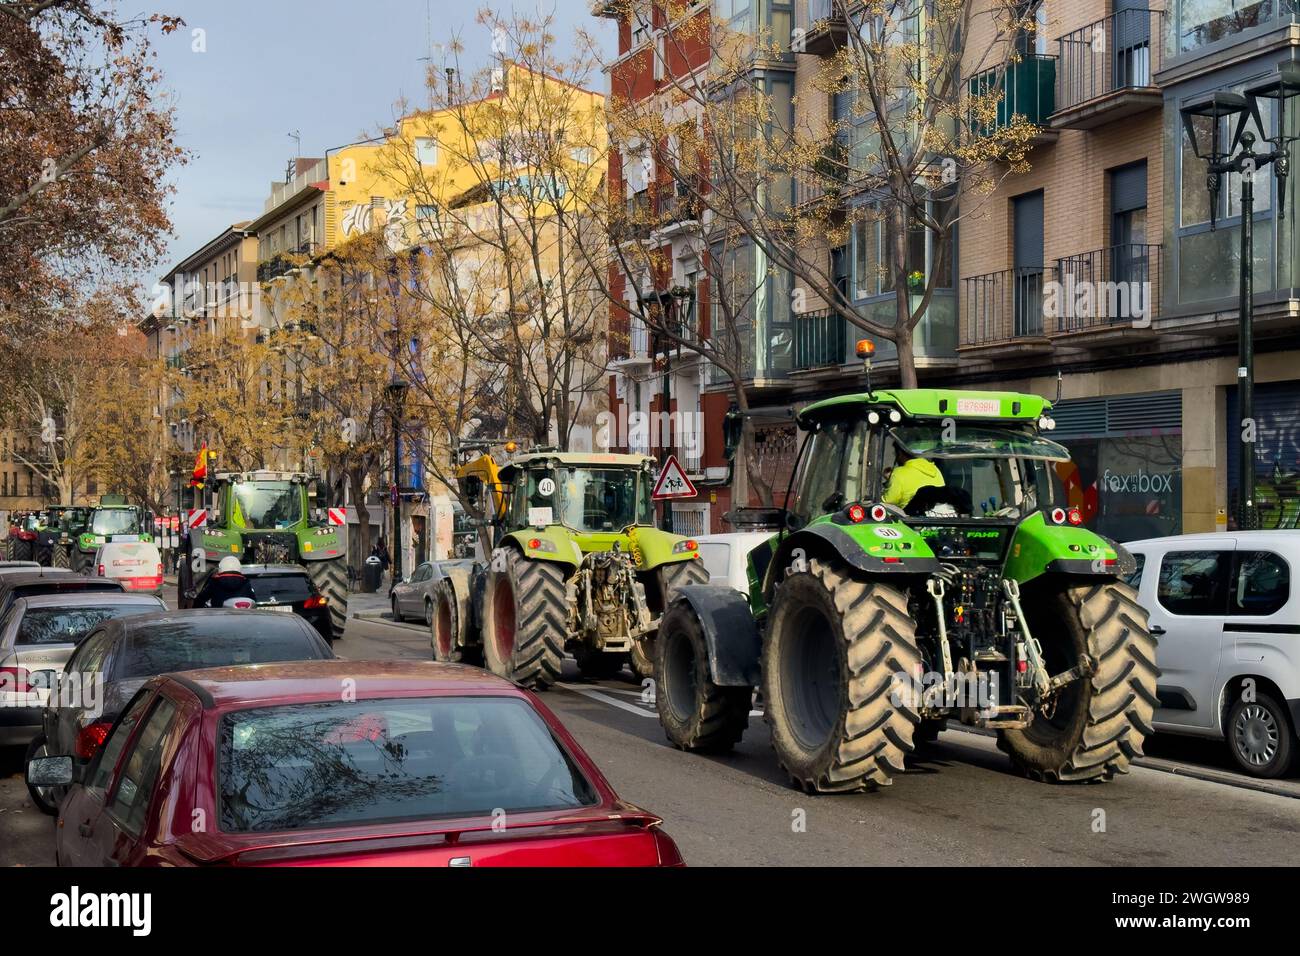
(23, 550)
(62, 557)
(668, 578)
(1097, 724)
(837, 651)
(524, 626)
(446, 626)
(696, 713)
(9, 547)
(81, 562)
(331, 579)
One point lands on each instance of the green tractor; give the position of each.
(111, 520)
(576, 564)
(926, 569)
(57, 540)
(270, 517)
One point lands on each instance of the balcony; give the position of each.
(821, 340)
(1105, 70)
(1006, 309)
(824, 29)
(1109, 295)
(630, 347)
(1028, 90)
(827, 181)
(679, 210)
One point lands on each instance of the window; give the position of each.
(1134, 580)
(426, 151)
(1263, 583)
(1194, 583)
(339, 763)
(1201, 22)
(116, 743)
(130, 801)
(68, 625)
(1195, 205)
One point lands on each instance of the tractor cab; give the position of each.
(587, 494)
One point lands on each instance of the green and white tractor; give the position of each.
(270, 517)
(111, 520)
(927, 568)
(576, 564)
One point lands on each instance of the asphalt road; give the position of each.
(958, 804)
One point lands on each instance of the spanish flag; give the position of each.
(200, 468)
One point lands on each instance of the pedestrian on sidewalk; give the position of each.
(380, 551)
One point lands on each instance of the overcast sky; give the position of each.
(331, 69)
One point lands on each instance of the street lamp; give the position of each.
(397, 390)
(1240, 157)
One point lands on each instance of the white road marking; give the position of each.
(605, 699)
(614, 702)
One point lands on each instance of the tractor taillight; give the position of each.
(1058, 515)
(1075, 516)
(878, 513)
(857, 514)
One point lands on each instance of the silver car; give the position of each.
(38, 633)
(413, 596)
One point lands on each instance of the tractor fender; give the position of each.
(656, 548)
(553, 544)
(829, 539)
(457, 576)
(730, 632)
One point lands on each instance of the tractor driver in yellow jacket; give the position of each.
(909, 476)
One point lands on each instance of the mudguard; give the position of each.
(729, 631)
(457, 576)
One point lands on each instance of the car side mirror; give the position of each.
(50, 772)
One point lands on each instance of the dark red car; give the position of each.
(340, 763)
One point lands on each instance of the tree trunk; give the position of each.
(902, 298)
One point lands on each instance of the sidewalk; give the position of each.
(368, 605)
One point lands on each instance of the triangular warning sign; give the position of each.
(673, 482)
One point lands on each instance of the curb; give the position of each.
(1276, 788)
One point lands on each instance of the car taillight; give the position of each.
(90, 738)
(16, 680)
(101, 570)
(159, 569)
(315, 601)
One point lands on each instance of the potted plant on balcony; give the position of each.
(916, 282)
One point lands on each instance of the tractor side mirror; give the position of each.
(473, 487)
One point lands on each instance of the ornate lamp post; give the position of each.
(1222, 108)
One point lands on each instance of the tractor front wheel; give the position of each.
(837, 651)
(696, 713)
(524, 626)
(446, 627)
(1094, 727)
(331, 580)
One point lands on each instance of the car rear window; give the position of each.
(176, 645)
(68, 625)
(333, 764)
(284, 588)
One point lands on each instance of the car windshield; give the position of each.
(976, 441)
(602, 499)
(346, 763)
(181, 644)
(121, 521)
(68, 625)
(265, 504)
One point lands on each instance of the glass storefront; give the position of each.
(1128, 487)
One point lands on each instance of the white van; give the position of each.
(1225, 608)
(136, 565)
(724, 556)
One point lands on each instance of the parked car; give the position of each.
(37, 636)
(22, 582)
(1227, 615)
(429, 765)
(724, 556)
(413, 596)
(137, 565)
(120, 655)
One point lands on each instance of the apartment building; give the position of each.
(20, 487)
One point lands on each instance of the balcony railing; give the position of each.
(828, 178)
(1028, 90)
(1005, 306)
(824, 28)
(821, 339)
(1117, 53)
(1106, 288)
